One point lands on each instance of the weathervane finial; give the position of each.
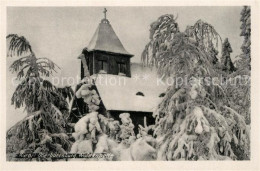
(105, 13)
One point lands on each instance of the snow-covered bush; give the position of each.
(111, 138)
(127, 134)
(144, 130)
(90, 96)
(87, 124)
(110, 127)
(143, 149)
(87, 131)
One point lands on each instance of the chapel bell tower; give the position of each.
(105, 53)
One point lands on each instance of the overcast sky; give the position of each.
(61, 33)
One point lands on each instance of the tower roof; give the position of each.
(105, 39)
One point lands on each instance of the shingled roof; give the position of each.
(105, 39)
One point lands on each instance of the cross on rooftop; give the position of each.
(105, 13)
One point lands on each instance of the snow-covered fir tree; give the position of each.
(194, 121)
(226, 61)
(246, 30)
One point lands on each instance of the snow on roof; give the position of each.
(105, 39)
(120, 92)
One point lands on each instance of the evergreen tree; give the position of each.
(43, 129)
(194, 121)
(243, 68)
(246, 30)
(226, 61)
